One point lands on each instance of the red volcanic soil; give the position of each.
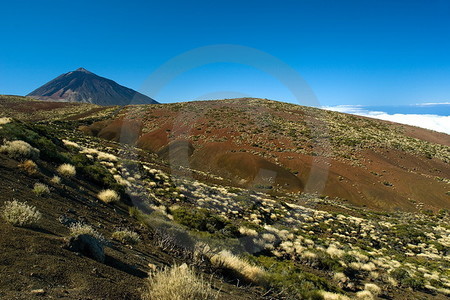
(250, 143)
(153, 141)
(122, 130)
(427, 135)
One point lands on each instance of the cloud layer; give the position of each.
(433, 122)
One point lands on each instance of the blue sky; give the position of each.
(349, 52)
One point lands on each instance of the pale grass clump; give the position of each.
(103, 156)
(5, 120)
(19, 150)
(248, 231)
(333, 296)
(373, 288)
(230, 261)
(121, 181)
(364, 295)
(334, 252)
(108, 196)
(81, 228)
(67, 170)
(20, 214)
(56, 179)
(126, 236)
(71, 144)
(341, 279)
(178, 283)
(41, 189)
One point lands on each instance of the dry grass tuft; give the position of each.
(66, 170)
(108, 196)
(249, 272)
(29, 167)
(178, 283)
(56, 179)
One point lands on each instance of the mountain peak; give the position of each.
(83, 70)
(84, 86)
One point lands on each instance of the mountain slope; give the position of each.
(285, 247)
(277, 146)
(86, 87)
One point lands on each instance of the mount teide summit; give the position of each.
(86, 87)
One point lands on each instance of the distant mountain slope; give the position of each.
(86, 87)
(29, 109)
(271, 145)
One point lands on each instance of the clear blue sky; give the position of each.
(349, 51)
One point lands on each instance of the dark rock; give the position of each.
(88, 246)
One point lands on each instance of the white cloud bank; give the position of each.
(433, 122)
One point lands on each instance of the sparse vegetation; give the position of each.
(178, 283)
(66, 170)
(56, 179)
(29, 167)
(81, 228)
(41, 189)
(19, 150)
(126, 236)
(108, 196)
(20, 214)
(241, 267)
(294, 245)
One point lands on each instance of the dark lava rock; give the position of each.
(88, 246)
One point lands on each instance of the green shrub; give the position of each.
(294, 283)
(96, 173)
(204, 220)
(37, 136)
(407, 280)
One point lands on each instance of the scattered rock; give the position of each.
(66, 221)
(88, 246)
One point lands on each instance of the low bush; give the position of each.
(96, 173)
(203, 220)
(126, 236)
(29, 167)
(41, 189)
(178, 283)
(81, 228)
(294, 283)
(20, 214)
(406, 279)
(19, 150)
